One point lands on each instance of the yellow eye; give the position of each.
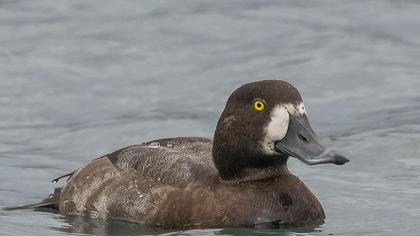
(259, 105)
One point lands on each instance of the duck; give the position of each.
(238, 179)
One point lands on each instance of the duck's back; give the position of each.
(132, 182)
(173, 161)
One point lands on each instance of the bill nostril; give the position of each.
(303, 138)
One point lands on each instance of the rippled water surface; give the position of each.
(79, 79)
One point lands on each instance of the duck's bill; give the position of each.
(302, 143)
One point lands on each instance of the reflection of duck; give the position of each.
(241, 179)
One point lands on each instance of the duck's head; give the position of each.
(263, 124)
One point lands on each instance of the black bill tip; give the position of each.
(340, 159)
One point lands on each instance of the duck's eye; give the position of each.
(259, 105)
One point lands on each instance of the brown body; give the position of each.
(176, 185)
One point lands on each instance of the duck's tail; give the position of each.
(51, 202)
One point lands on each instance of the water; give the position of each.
(81, 78)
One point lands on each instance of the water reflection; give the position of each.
(85, 225)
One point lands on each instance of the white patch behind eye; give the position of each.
(279, 124)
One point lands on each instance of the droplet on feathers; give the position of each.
(154, 145)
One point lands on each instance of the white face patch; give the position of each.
(279, 123)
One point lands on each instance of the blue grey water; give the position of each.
(79, 79)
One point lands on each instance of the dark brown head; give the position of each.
(262, 125)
